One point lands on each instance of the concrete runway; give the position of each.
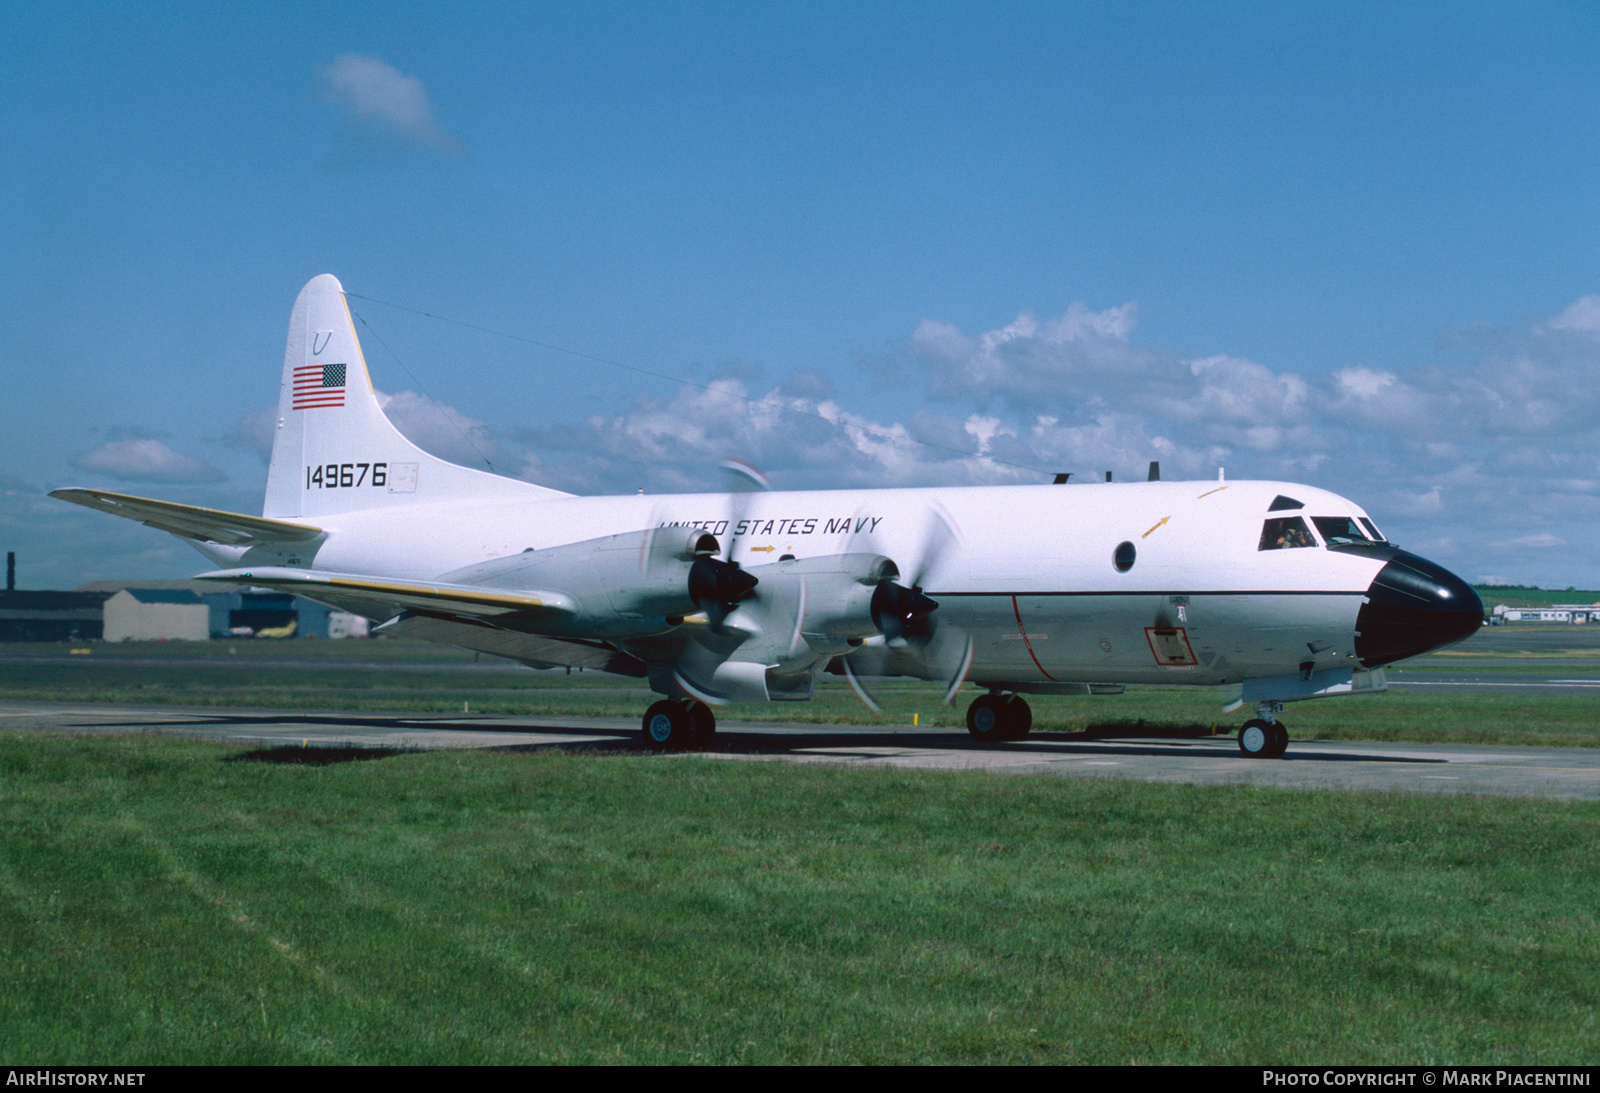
(1565, 773)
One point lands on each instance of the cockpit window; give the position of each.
(1285, 532)
(1373, 530)
(1339, 529)
(1280, 502)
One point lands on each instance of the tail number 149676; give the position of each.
(345, 476)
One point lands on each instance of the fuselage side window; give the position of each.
(1286, 532)
(1339, 529)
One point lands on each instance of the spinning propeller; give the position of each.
(721, 584)
(905, 617)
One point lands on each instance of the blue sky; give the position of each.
(1348, 245)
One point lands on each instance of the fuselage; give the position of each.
(1197, 595)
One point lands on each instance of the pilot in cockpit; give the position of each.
(1285, 533)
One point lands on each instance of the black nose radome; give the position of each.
(1414, 606)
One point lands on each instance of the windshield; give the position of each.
(1339, 529)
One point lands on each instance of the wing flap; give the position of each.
(192, 521)
(530, 649)
(384, 597)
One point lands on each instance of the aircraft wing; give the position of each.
(533, 650)
(384, 598)
(191, 521)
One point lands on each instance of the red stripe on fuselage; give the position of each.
(1023, 630)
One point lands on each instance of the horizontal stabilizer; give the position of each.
(384, 598)
(192, 521)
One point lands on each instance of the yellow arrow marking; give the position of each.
(1158, 523)
(769, 550)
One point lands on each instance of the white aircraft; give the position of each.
(1287, 590)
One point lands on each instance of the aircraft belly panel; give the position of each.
(1190, 638)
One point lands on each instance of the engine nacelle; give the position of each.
(825, 602)
(623, 585)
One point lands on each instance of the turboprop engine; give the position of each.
(621, 586)
(800, 614)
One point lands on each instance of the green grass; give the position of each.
(1517, 595)
(162, 902)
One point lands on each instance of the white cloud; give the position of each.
(1033, 365)
(255, 432)
(440, 429)
(1364, 383)
(384, 107)
(1081, 324)
(146, 459)
(1542, 541)
(1583, 314)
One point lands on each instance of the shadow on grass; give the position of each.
(316, 757)
(1123, 738)
(1119, 739)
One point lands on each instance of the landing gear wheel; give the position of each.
(704, 722)
(999, 717)
(1019, 717)
(668, 726)
(986, 718)
(1260, 739)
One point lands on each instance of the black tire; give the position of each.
(1280, 741)
(986, 718)
(1019, 717)
(667, 726)
(704, 722)
(1256, 738)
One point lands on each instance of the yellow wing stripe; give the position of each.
(508, 600)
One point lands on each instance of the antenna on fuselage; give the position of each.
(1061, 478)
(1155, 471)
(1108, 476)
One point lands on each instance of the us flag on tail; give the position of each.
(318, 385)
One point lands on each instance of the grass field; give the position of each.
(171, 901)
(168, 901)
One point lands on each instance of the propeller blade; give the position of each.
(937, 542)
(958, 678)
(860, 688)
(745, 477)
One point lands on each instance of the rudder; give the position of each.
(334, 449)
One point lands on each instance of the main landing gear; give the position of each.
(994, 716)
(1264, 737)
(678, 725)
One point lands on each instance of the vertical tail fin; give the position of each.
(335, 450)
